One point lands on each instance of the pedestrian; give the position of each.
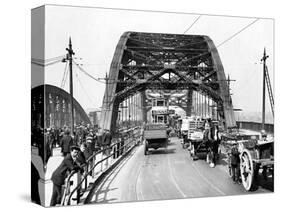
(212, 144)
(68, 164)
(61, 134)
(56, 137)
(217, 140)
(90, 145)
(48, 145)
(94, 140)
(235, 163)
(207, 128)
(89, 151)
(66, 142)
(81, 158)
(142, 134)
(99, 138)
(107, 141)
(207, 139)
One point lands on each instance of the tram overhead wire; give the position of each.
(192, 24)
(64, 77)
(83, 88)
(86, 73)
(235, 34)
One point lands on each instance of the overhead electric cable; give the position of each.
(45, 64)
(85, 72)
(235, 34)
(47, 60)
(231, 37)
(192, 24)
(64, 75)
(65, 79)
(83, 88)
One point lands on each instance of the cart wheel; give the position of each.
(247, 170)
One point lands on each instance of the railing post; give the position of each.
(86, 179)
(101, 164)
(75, 197)
(94, 161)
(106, 162)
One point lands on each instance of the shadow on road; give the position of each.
(106, 190)
(171, 143)
(103, 201)
(222, 160)
(266, 183)
(161, 151)
(101, 190)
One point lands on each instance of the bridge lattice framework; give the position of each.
(156, 61)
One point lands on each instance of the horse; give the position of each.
(211, 137)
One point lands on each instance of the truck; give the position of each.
(155, 136)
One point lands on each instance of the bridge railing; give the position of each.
(255, 126)
(127, 140)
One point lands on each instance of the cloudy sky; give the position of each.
(95, 33)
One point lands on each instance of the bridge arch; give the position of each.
(169, 62)
(50, 106)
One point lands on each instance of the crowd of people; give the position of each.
(76, 148)
(91, 138)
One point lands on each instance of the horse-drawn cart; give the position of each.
(254, 155)
(197, 144)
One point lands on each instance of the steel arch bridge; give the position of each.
(50, 107)
(156, 61)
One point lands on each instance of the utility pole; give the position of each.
(70, 52)
(263, 88)
(228, 85)
(106, 90)
(105, 100)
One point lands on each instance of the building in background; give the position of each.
(94, 116)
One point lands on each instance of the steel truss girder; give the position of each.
(195, 66)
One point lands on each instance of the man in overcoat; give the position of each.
(66, 142)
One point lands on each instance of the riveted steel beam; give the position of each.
(166, 61)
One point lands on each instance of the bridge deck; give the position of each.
(166, 174)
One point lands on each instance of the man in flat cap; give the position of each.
(60, 174)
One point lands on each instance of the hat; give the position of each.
(74, 148)
(67, 131)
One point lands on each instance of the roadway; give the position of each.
(166, 174)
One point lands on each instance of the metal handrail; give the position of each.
(85, 176)
(92, 168)
(67, 186)
(100, 151)
(68, 183)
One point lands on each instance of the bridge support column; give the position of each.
(143, 106)
(114, 117)
(189, 102)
